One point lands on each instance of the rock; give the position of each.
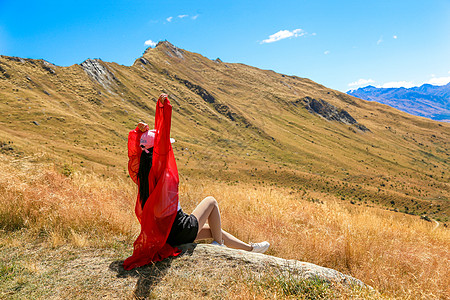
(4, 73)
(48, 67)
(197, 89)
(36, 123)
(100, 73)
(6, 146)
(206, 271)
(329, 112)
(144, 61)
(361, 127)
(227, 257)
(14, 58)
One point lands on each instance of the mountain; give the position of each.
(232, 122)
(428, 100)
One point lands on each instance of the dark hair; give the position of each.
(145, 164)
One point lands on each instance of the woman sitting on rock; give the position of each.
(164, 225)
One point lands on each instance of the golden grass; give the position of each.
(399, 255)
(81, 208)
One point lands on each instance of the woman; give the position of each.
(164, 225)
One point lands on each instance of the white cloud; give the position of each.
(182, 16)
(397, 84)
(361, 81)
(395, 37)
(284, 34)
(380, 40)
(150, 43)
(405, 84)
(169, 19)
(195, 17)
(439, 80)
(327, 52)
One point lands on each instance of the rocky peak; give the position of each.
(99, 73)
(170, 49)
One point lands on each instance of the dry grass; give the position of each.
(399, 255)
(81, 208)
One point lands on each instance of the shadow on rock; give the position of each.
(150, 275)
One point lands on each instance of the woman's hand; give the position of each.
(163, 98)
(143, 126)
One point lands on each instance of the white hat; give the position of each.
(148, 140)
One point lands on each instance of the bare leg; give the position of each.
(229, 240)
(208, 210)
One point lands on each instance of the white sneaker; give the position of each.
(260, 247)
(217, 244)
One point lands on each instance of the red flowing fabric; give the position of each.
(161, 207)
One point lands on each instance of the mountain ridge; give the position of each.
(427, 100)
(231, 122)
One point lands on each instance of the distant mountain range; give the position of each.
(428, 100)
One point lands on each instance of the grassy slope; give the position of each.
(59, 234)
(402, 163)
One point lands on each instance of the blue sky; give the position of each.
(340, 44)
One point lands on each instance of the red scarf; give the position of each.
(161, 207)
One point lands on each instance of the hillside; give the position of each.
(232, 123)
(426, 100)
(66, 236)
(290, 161)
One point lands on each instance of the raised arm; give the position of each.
(134, 150)
(162, 146)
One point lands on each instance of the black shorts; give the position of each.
(184, 229)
